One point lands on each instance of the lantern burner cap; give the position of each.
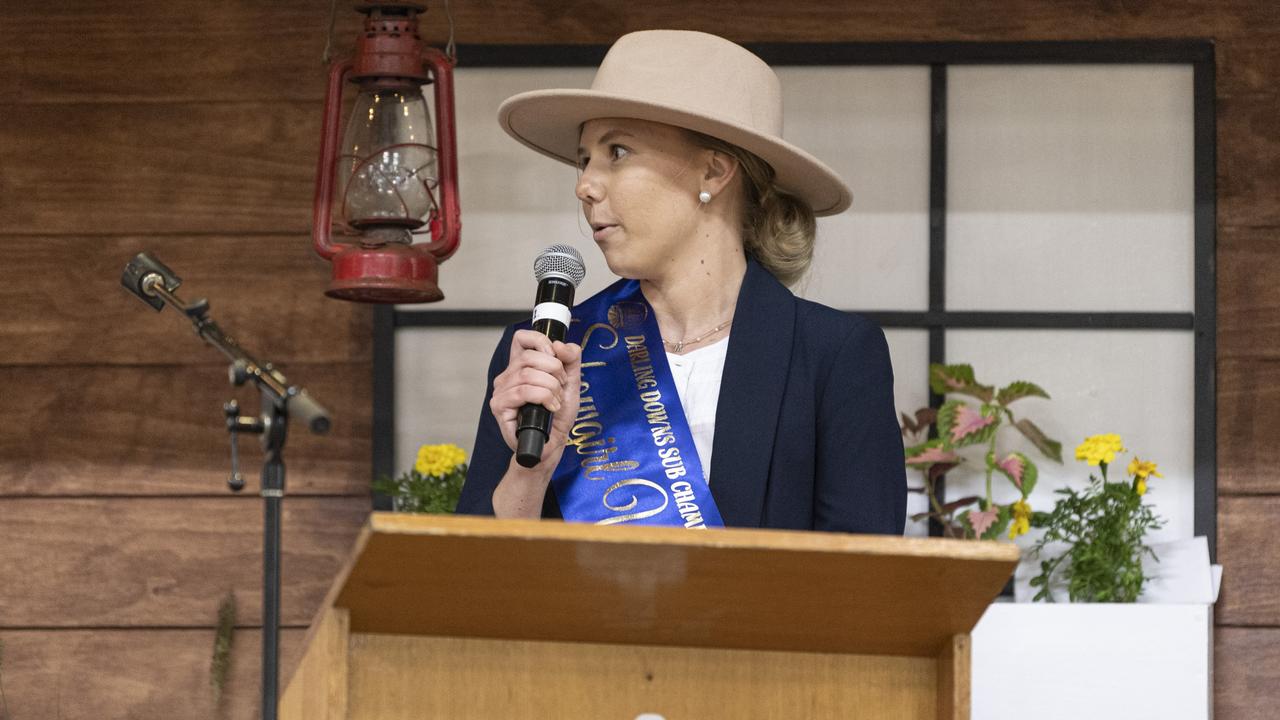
(380, 232)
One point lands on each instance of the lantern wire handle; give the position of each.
(451, 49)
(328, 41)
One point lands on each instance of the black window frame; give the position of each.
(1202, 321)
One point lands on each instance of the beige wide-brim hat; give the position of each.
(688, 79)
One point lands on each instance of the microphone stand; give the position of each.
(154, 284)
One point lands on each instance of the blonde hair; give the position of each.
(778, 228)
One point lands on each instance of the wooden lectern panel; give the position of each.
(459, 617)
(319, 687)
(733, 589)
(403, 677)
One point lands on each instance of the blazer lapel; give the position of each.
(755, 374)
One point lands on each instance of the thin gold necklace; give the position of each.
(678, 346)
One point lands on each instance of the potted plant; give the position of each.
(432, 485)
(1103, 528)
(958, 425)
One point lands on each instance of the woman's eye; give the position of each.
(616, 152)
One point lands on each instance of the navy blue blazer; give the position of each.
(806, 434)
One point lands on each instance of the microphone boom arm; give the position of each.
(155, 284)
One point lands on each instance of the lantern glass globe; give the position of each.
(387, 169)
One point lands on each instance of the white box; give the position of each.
(1093, 661)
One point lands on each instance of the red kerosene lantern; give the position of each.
(393, 179)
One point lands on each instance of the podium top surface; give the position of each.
(733, 588)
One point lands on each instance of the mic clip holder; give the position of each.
(236, 424)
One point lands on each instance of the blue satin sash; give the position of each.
(630, 456)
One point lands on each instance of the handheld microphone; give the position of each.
(559, 270)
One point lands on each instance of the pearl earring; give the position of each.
(704, 197)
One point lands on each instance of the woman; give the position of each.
(702, 208)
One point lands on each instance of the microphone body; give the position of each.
(559, 269)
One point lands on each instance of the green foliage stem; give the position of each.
(220, 664)
(1105, 526)
(418, 493)
(4, 702)
(954, 426)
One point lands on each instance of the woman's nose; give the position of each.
(589, 189)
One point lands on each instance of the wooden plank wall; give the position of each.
(190, 128)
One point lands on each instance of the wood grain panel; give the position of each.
(225, 51)
(761, 20)
(1248, 412)
(1249, 160)
(164, 562)
(1248, 294)
(11, 61)
(1249, 550)
(132, 674)
(405, 677)
(1246, 672)
(100, 430)
(183, 50)
(266, 291)
(955, 678)
(318, 689)
(1247, 64)
(119, 169)
(640, 585)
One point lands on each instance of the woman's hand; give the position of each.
(544, 373)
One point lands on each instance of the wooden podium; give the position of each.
(463, 617)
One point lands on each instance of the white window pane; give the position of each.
(871, 125)
(1137, 384)
(1070, 188)
(441, 375)
(515, 202)
(909, 352)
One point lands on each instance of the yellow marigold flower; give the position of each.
(1100, 449)
(1021, 524)
(1143, 470)
(439, 460)
(1140, 486)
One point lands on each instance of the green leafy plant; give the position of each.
(4, 702)
(1104, 526)
(220, 664)
(958, 425)
(432, 486)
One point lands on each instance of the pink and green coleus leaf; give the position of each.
(930, 453)
(946, 379)
(979, 521)
(987, 523)
(1048, 447)
(960, 424)
(1020, 471)
(1019, 389)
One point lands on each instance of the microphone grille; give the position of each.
(562, 261)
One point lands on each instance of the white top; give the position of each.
(697, 377)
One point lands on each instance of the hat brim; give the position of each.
(549, 121)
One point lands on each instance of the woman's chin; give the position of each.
(619, 264)
(623, 271)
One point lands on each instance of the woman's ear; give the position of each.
(721, 169)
